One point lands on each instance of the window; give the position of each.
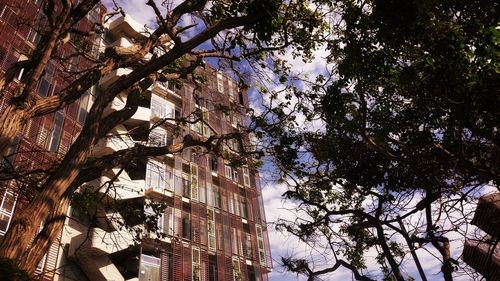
(230, 90)
(214, 165)
(167, 85)
(197, 127)
(228, 171)
(82, 112)
(215, 190)
(236, 203)
(162, 108)
(45, 88)
(158, 137)
(234, 241)
(212, 270)
(210, 195)
(186, 226)
(171, 86)
(203, 194)
(186, 185)
(201, 126)
(149, 269)
(211, 230)
(96, 45)
(220, 83)
(231, 203)
(9, 14)
(155, 176)
(177, 112)
(169, 178)
(195, 257)
(247, 247)
(166, 222)
(7, 205)
(236, 269)
(43, 135)
(56, 132)
(246, 176)
(243, 206)
(260, 245)
(213, 195)
(235, 174)
(194, 182)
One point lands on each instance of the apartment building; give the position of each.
(200, 218)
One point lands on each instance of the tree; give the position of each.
(236, 30)
(406, 135)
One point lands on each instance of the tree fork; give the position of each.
(14, 115)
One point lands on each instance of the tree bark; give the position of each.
(12, 120)
(42, 242)
(388, 255)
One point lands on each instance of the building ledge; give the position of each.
(482, 257)
(487, 215)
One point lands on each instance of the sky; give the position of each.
(275, 206)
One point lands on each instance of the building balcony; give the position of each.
(487, 215)
(484, 258)
(99, 268)
(123, 188)
(121, 42)
(128, 27)
(95, 250)
(166, 89)
(104, 242)
(159, 192)
(118, 140)
(111, 77)
(140, 117)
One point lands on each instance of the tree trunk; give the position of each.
(388, 255)
(53, 226)
(447, 267)
(11, 123)
(25, 225)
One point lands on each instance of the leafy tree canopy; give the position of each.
(407, 125)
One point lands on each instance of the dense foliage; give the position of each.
(406, 129)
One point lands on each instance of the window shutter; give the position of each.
(194, 182)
